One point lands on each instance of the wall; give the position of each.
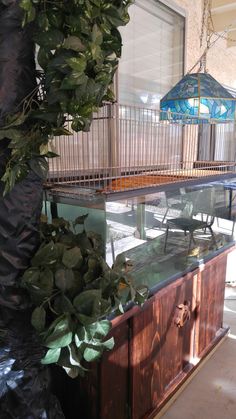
(221, 61)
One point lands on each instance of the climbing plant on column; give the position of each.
(77, 45)
(78, 49)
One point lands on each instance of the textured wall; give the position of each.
(221, 61)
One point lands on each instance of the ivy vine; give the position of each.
(77, 48)
(73, 291)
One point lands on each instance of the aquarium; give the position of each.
(157, 234)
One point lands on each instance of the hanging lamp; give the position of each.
(199, 95)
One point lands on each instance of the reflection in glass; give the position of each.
(138, 230)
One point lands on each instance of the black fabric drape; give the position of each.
(24, 382)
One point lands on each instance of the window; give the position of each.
(152, 55)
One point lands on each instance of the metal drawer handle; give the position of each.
(183, 314)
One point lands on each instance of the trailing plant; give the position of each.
(73, 292)
(78, 46)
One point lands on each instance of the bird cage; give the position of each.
(130, 147)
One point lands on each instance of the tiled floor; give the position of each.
(212, 392)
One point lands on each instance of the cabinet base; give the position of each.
(181, 382)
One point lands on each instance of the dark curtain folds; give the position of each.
(24, 382)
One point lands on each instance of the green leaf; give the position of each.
(96, 51)
(73, 372)
(50, 39)
(84, 302)
(85, 320)
(44, 57)
(91, 354)
(78, 64)
(75, 356)
(97, 37)
(96, 2)
(43, 22)
(51, 356)
(40, 167)
(14, 174)
(96, 330)
(61, 336)
(63, 305)
(43, 115)
(102, 328)
(61, 131)
(46, 255)
(29, 9)
(74, 43)
(38, 318)
(16, 120)
(60, 248)
(141, 295)
(61, 223)
(55, 18)
(65, 279)
(51, 154)
(60, 279)
(30, 276)
(72, 257)
(79, 342)
(83, 242)
(84, 25)
(39, 283)
(73, 80)
(26, 5)
(116, 16)
(93, 263)
(109, 344)
(11, 134)
(80, 220)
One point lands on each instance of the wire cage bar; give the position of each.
(129, 147)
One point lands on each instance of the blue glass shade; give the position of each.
(198, 95)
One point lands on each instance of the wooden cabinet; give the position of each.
(211, 287)
(157, 347)
(160, 350)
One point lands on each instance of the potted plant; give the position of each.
(74, 292)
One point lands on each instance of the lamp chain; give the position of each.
(207, 29)
(207, 32)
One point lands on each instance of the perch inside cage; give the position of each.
(130, 147)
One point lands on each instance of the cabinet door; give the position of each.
(114, 378)
(160, 350)
(211, 302)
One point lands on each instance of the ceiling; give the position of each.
(224, 19)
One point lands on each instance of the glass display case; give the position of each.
(175, 239)
(158, 233)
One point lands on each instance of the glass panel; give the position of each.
(168, 233)
(180, 106)
(152, 55)
(163, 234)
(219, 109)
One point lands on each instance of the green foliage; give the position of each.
(78, 50)
(73, 292)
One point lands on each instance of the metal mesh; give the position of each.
(129, 147)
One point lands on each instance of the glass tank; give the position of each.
(160, 234)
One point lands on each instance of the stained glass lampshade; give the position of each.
(198, 95)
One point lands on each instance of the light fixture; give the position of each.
(199, 95)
